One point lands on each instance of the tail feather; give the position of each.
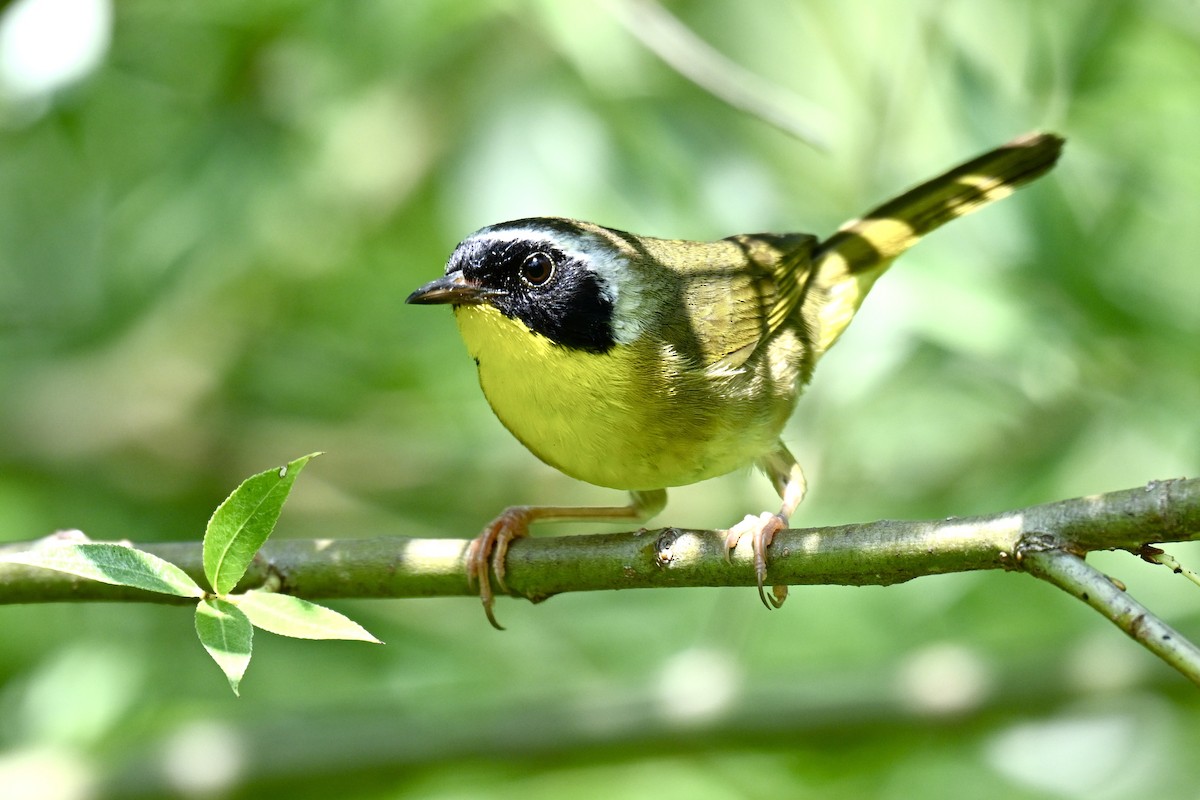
(850, 261)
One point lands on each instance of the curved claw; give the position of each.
(761, 541)
(487, 553)
(775, 598)
(762, 530)
(477, 572)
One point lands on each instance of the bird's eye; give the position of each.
(537, 269)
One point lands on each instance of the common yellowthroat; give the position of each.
(639, 363)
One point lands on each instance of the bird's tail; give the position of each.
(849, 262)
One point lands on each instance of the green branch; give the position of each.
(880, 553)
(1046, 540)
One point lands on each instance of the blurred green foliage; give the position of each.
(204, 249)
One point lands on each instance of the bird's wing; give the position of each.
(760, 287)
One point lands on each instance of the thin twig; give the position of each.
(693, 58)
(1154, 555)
(1072, 574)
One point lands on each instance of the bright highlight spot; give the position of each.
(1085, 756)
(46, 45)
(697, 685)
(944, 679)
(45, 773)
(203, 758)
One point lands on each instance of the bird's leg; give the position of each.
(487, 552)
(785, 473)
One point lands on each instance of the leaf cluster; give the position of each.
(225, 618)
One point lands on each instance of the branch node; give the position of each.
(664, 547)
(1033, 542)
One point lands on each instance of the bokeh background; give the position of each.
(210, 214)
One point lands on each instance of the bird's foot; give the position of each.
(762, 530)
(487, 553)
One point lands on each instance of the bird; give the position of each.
(641, 364)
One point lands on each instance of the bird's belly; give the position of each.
(609, 419)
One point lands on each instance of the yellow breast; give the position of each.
(636, 417)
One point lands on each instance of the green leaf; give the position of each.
(243, 522)
(107, 562)
(300, 619)
(227, 635)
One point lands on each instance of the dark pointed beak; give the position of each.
(452, 288)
